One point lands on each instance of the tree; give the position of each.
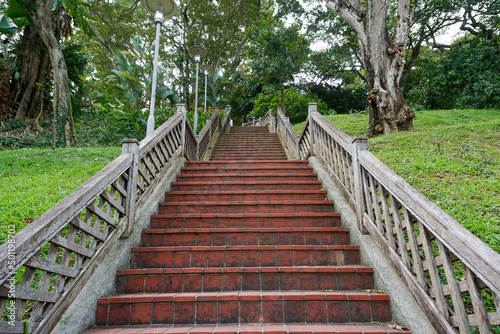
(53, 22)
(296, 103)
(220, 26)
(467, 76)
(133, 79)
(383, 54)
(277, 54)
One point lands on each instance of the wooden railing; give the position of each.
(45, 265)
(288, 133)
(268, 119)
(453, 276)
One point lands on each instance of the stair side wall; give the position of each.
(81, 315)
(405, 309)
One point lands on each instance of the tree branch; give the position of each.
(405, 11)
(237, 58)
(348, 13)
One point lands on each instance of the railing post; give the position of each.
(360, 144)
(312, 107)
(181, 108)
(287, 119)
(131, 146)
(219, 125)
(273, 130)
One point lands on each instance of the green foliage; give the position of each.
(467, 76)
(33, 180)
(452, 158)
(245, 91)
(342, 98)
(296, 104)
(133, 80)
(7, 27)
(277, 54)
(76, 64)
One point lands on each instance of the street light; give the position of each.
(207, 68)
(197, 52)
(160, 9)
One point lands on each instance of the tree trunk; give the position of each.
(34, 62)
(383, 60)
(5, 90)
(42, 18)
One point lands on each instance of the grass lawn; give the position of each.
(452, 157)
(33, 180)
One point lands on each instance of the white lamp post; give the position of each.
(206, 68)
(160, 9)
(197, 52)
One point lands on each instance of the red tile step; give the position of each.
(247, 220)
(310, 328)
(246, 177)
(248, 195)
(249, 152)
(254, 147)
(289, 184)
(244, 256)
(246, 156)
(247, 169)
(245, 207)
(243, 307)
(262, 145)
(245, 236)
(178, 280)
(245, 163)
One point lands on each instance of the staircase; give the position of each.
(245, 243)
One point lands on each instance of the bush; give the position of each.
(467, 76)
(296, 104)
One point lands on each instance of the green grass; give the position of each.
(33, 180)
(452, 157)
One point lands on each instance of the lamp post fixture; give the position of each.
(160, 9)
(197, 52)
(206, 68)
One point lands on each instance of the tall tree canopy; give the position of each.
(277, 54)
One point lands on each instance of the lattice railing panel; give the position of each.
(44, 266)
(59, 245)
(453, 275)
(462, 299)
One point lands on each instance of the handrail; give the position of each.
(268, 119)
(55, 255)
(226, 123)
(454, 276)
(289, 135)
(205, 134)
